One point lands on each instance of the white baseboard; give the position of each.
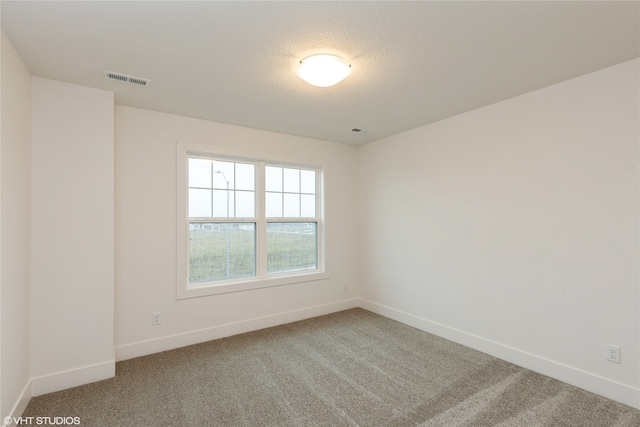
(596, 384)
(143, 348)
(20, 405)
(73, 378)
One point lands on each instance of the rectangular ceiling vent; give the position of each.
(138, 81)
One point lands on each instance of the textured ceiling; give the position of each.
(413, 63)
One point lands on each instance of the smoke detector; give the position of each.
(124, 78)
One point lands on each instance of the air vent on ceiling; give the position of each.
(360, 130)
(138, 81)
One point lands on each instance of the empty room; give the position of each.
(320, 213)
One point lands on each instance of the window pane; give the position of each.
(273, 205)
(273, 178)
(199, 203)
(308, 205)
(292, 206)
(308, 182)
(245, 177)
(291, 246)
(291, 180)
(223, 174)
(221, 251)
(223, 204)
(245, 205)
(200, 173)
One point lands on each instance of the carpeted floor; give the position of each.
(352, 368)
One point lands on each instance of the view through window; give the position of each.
(250, 219)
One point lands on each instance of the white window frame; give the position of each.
(262, 280)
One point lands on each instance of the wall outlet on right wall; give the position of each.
(612, 353)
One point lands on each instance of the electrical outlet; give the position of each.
(612, 353)
(156, 318)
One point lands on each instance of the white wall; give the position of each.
(514, 229)
(72, 288)
(15, 226)
(146, 236)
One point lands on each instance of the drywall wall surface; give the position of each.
(15, 230)
(146, 254)
(514, 229)
(72, 235)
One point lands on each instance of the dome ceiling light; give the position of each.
(323, 70)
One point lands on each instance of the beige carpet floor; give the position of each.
(352, 368)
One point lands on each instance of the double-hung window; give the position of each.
(222, 219)
(291, 219)
(246, 222)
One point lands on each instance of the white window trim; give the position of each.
(183, 288)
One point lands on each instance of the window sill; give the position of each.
(246, 284)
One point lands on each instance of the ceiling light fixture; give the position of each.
(323, 70)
